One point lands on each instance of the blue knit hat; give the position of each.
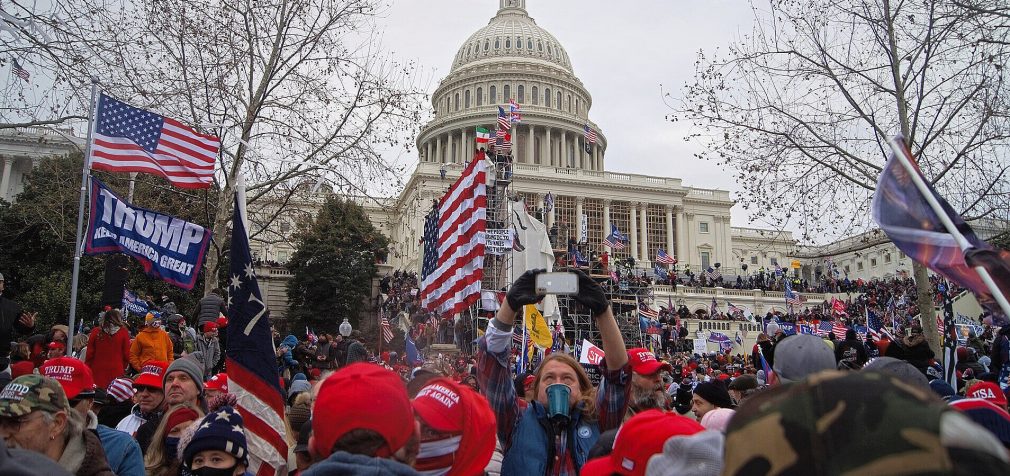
(220, 430)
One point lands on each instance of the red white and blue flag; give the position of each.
(615, 239)
(130, 139)
(514, 111)
(504, 120)
(19, 71)
(454, 243)
(909, 221)
(590, 134)
(251, 362)
(792, 297)
(662, 257)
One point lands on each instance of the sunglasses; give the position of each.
(144, 388)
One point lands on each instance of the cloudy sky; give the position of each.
(622, 52)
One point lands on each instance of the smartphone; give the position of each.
(557, 283)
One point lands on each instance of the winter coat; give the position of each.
(287, 360)
(356, 352)
(84, 456)
(150, 344)
(132, 422)
(10, 311)
(346, 463)
(108, 355)
(211, 350)
(532, 449)
(122, 452)
(210, 307)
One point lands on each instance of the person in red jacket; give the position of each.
(108, 349)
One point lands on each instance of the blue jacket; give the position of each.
(287, 360)
(121, 451)
(531, 444)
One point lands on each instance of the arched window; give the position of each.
(519, 42)
(529, 44)
(547, 97)
(468, 50)
(480, 96)
(506, 93)
(466, 99)
(521, 93)
(487, 45)
(493, 95)
(536, 96)
(540, 45)
(497, 43)
(508, 42)
(569, 103)
(559, 100)
(456, 102)
(549, 53)
(577, 107)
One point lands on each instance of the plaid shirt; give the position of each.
(495, 377)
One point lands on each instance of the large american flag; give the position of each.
(19, 71)
(387, 332)
(792, 297)
(130, 139)
(664, 258)
(252, 367)
(504, 120)
(454, 243)
(590, 134)
(838, 329)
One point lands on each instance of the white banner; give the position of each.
(590, 353)
(584, 229)
(700, 346)
(498, 241)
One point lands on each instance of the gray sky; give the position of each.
(622, 52)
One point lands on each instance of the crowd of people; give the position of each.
(155, 400)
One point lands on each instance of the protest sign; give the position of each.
(498, 241)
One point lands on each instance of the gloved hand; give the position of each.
(591, 294)
(524, 290)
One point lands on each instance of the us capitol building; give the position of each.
(514, 58)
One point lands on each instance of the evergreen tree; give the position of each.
(333, 266)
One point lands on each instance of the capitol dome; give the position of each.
(512, 33)
(513, 58)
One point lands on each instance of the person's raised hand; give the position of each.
(523, 290)
(27, 319)
(591, 294)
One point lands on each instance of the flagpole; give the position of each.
(920, 184)
(78, 240)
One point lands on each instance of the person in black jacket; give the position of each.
(850, 353)
(13, 321)
(210, 307)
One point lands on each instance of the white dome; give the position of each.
(512, 34)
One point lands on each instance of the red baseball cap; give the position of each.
(72, 374)
(57, 345)
(640, 438)
(218, 382)
(987, 391)
(438, 404)
(209, 326)
(643, 362)
(362, 396)
(151, 374)
(529, 380)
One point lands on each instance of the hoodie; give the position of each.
(151, 343)
(121, 451)
(345, 463)
(287, 360)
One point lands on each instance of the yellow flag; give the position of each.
(536, 327)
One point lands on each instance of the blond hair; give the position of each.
(155, 461)
(587, 401)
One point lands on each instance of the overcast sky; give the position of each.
(622, 52)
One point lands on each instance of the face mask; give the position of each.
(208, 471)
(171, 447)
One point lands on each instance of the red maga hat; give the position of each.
(643, 362)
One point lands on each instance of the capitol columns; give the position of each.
(462, 146)
(633, 234)
(681, 229)
(549, 156)
(564, 148)
(438, 148)
(529, 144)
(644, 208)
(579, 203)
(669, 231)
(606, 223)
(5, 179)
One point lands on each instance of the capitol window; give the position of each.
(506, 93)
(520, 93)
(493, 98)
(540, 45)
(519, 42)
(753, 260)
(529, 44)
(873, 262)
(887, 257)
(480, 96)
(547, 97)
(487, 45)
(569, 103)
(508, 43)
(536, 96)
(549, 49)
(456, 102)
(497, 43)
(703, 227)
(468, 51)
(559, 100)
(466, 99)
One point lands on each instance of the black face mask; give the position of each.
(208, 471)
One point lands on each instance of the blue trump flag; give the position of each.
(252, 366)
(167, 247)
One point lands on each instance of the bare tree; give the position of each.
(802, 107)
(298, 91)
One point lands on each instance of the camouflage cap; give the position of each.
(844, 423)
(32, 392)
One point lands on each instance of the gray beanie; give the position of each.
(191, 367)
(699, 454)
(800, 355)
(901, 369)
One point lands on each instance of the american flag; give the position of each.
(548, 202)
(514, 111)
(823, 328)
(714, 308)
(252, 369)
(873, 324)
(504, 122)
(19, 71)
(712, 273)
(454, 244)
(839, 329)
(129, 139)
(615, 239)
(503, 144)
(647, 312)
(662, 257)
(387, 332)
(730, 308)
(590, 134)
(792, 297)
